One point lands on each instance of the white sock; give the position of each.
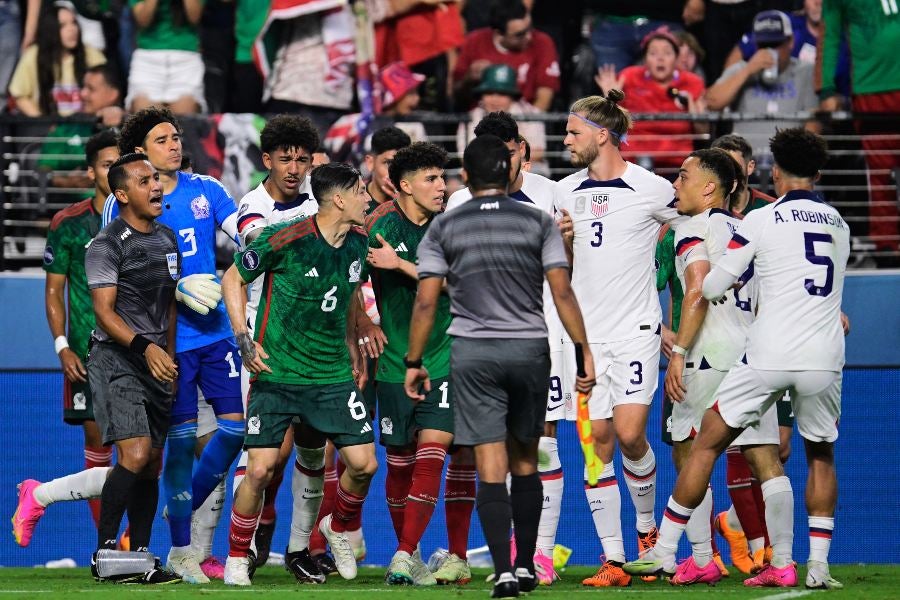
(83, 485)
(731, 519)
(779, 499)
(675, 519)
(307, 486)
(640, 475)
(205, 520)
(550, 470)
(820, 530)
(698, 532)
(605, 503)
(239, 472)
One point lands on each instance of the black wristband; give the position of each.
(139, 345)
(412, 364)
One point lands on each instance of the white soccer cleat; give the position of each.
(237, 570)
(184, 563)
(819, 578)
(341, 550)
(422, 575)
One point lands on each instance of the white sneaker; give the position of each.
(422, 575)
(819, 578)
(237, 570)
(184, 563)
(341, 549)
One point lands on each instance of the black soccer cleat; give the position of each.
(527, 581)
(505, 586)
(155, 577)
(303, 567)
(325, 563)
(251, 568)
(263, 538)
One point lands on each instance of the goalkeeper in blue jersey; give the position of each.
(194, 206)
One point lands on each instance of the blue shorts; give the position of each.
(216, 369)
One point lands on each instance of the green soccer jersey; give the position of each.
(395, 294)
(666, 275)
(302, 317)
(71, 232)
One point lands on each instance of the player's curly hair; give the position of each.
(606, 112)
(387, 139)
(283, 132)
(727, 170)
(498, 123)
(421, 155)
(137, 126)
(97, 142)
(799, 152)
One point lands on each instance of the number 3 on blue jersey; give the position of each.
(190, 241)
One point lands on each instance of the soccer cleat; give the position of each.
(325, 563)
(400, 570)
(717, 558)
(759, 560)
(772, 576)
(183, 563)
(302, 566)
(422, 575)
(237, 570)
(344, 559)
(543, 569)
(263, 542)
(28, 512)
(688, 573)
(155, 577)
(213, 568)
(646, 541)
(453, 570)
(737, 542)
(818, 577)
(611, 575)
(505, 586)
(769, 552)
(358, 542)
(527, 580)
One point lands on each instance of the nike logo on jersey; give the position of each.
(311, 273)
(630, 392)
(401, 248)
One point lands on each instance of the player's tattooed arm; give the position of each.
(354, 347)
(234, 292)
(369, 337)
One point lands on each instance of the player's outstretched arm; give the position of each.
(570, 315)
(421, 324)
(234, 292)
(693, 311)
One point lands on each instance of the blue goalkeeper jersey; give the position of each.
(194, 210)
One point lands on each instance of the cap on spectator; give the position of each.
(660, 33)
(771, 27)
(499, 79)
(397, 81)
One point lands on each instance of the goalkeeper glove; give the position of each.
(199, 292)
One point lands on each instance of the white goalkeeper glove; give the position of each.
(199, 292)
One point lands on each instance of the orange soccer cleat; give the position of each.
(609, 575)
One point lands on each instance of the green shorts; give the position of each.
(401, 418)
(336, 410)
(785, 411)
(78, 406)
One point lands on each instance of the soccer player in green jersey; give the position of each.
(71, 232)
(417, 436)
(304, 357)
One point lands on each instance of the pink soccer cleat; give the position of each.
(688, 573)
(212, 568)
(772, 576)
(28, 512)
(543, 569)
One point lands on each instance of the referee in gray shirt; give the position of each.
(494, 253)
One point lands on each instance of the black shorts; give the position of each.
(128, 401)
(78, 406)
(499, 388)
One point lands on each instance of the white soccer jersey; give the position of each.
(799, 247)
(544, 194)
(616, 229)
(723, 333)
(256, 210)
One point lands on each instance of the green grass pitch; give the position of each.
(869, 582)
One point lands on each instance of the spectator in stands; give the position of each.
(690, 54)
(498, 92)
(10, 39)
(510, 40)
(744, 85)
(166, 67)
(246, 90)
(101, 95)
(749, 198)
(872, 30)
(619, 28)
(657, 86)
(46, 80)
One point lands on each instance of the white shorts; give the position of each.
(747, 394)
(206, 416)
(627, 373)
(558, 396)
(166, 76)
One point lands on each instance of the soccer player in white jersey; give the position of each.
(544, 195)
(287, 143)
(710, 338)
(617, 208)
(799, 247)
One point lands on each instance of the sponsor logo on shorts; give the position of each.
(355, 271)
(366, 428)
(79, 402)
(48, 255)
(630, 392)
(250, 260)
(253, 425)
(172, 263)
(387, 426)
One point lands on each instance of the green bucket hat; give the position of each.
(500, 79)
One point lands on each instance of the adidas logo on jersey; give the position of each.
(312, 273)
(401, 248)
(366, 428)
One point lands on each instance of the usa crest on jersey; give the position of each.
(172, 262)
(599, 204)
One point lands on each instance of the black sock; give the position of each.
(113, 501)
(527, 499)
(496, 516)
(141, 511)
